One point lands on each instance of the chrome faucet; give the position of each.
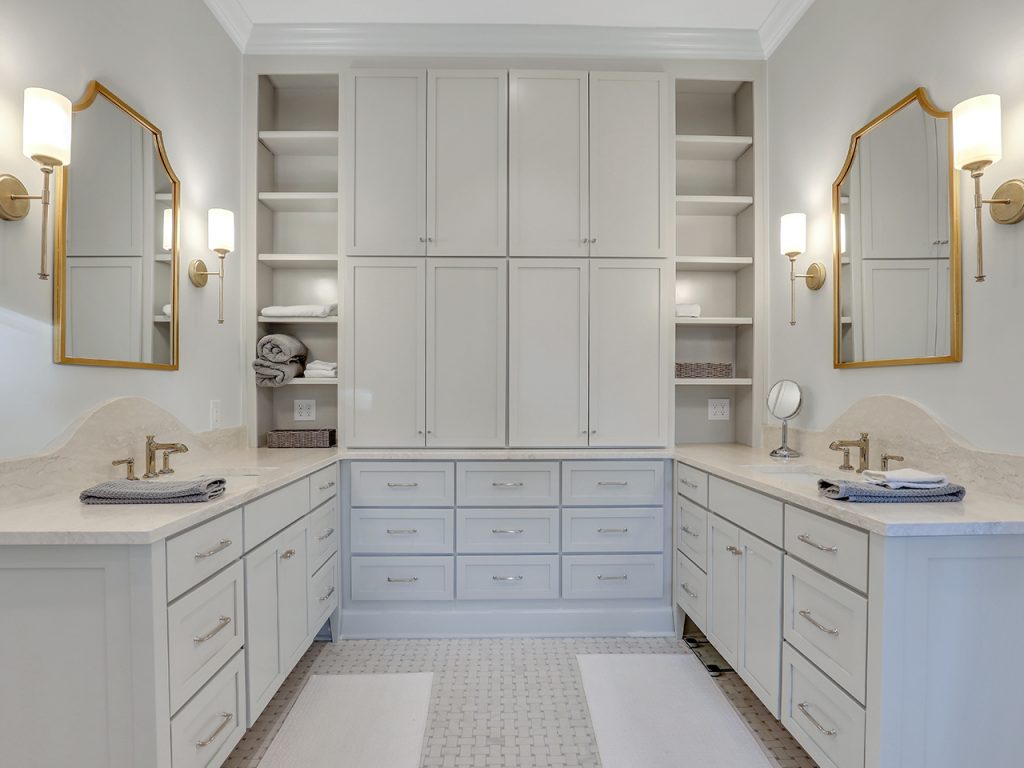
(152, 446)
(863, 445)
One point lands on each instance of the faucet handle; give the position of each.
(130, 462)
(846, 460)
(166, 468)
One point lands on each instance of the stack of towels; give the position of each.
(301, 310)
(279, 359)
(318, 369)
(898, 485)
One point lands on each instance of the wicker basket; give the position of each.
(703, 370)
(300, 438)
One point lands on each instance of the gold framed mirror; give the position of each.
(116, 244)
(896, 241)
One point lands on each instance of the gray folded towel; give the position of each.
(155, 492)
(269, 374)
(281, 348)
(843, 490)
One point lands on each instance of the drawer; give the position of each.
(513, 577)
(206, 729)
(402, 531)
(827, 623)
(692, 483)
(613, 530)
(691, 590)
(204, 629)
(403, 578)
(323, 594)
(607, 577)
(507, 530)
(836, 549)
(196, 555)
(275, 512)
(323, 485)
(692, 532)
(604, 483)
(748, 509)
(323, 534)
(507, 483)
(403, 484)
(827, 723)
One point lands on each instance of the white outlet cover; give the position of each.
(305, 410)
(718, 408)
(216, 415)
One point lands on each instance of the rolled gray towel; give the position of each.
(844, 490)
(281, 348)
(155, 492)
(270, 374)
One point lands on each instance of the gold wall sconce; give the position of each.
(221, 238)
(793, 240)
(46, 138)
(977, 144)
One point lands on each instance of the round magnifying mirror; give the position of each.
(784, 401)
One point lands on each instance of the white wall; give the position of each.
(844, 63)
(175, 65)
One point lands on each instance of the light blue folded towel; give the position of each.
(155, 492)
(844, 490)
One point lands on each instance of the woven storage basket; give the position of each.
(703, 370)
(300, 438)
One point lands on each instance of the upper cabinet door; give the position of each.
(629, 352)
(631, 166)
(467, 163)
(549, 206)
(466, 326)
(386, 124)
(548, 354)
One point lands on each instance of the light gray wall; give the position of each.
(844, 63)
(175, 65)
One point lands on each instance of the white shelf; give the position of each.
(714, 321)
(329, 320)
(162, 259)
(712, 264)
(712, 147)
(846, 320)
(712, 205)
(302, 381)
(304, 202)
(714, 382)
(161, 319)
(299, 260)
(163, 197)
(310, 143)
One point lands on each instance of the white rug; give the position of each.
(354, 721)
(663, 711)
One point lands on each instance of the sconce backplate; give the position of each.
(815, 277)
(197, 272)
(1012, 212)
(12, 210)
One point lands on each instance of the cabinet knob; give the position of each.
(734, 550)
(593, 431)
(423, 239)
(593, 240)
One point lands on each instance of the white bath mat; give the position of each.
(663, 711)
(354, 721)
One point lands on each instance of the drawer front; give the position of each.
(827, 723)
(508, 484)
(826, 622)
(402, 531)
(513, 577)
(507, 530)
(748, 509)
(204, 629)
(206, 729)
(692, 532)
(692, 483)
(691, 590)
(323, 594)
(198, 554)
(324, 533)
(323, 485)
(606, 483)
(403, 483)
(613, 530)
(403, 578)
(607, 577)
(837, 549)
(275, 512)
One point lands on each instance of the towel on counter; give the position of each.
(271, 374)
(155, 492)
(905, 478)
(166, 309)
(301, 310)
(320, 365)
(687, 310)
(843, 490)
(319, 373)
(281, 348)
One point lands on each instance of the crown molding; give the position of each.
(780, 23)
(233, 19)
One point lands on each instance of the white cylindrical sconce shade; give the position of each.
(842, 233)
(977, 132)
(793, 234)
(46, 130)
(221, 230)
(168, 239)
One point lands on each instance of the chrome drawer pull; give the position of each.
(802, 706)
(623, 577)
(327, 486)
(687, 483)
(404, 580)
(226, 717)
(817, 625)
(734, 550)
(686, 588)
(613, 482)
(810, 542)
(326, 596)
(403, 485)
(508, 485)
(325, 535)
(221, 623)
(508, 531)
(402, 531)
(613, 530)
(688, 532)
(221, 546)
(288, 554)
(507, 578)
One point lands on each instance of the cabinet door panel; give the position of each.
(724, 587)
(760, 650)
(262, 654)
(292, 580)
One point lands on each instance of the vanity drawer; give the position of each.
(692, 483)
(198, 554)
(507, 530)
(206, 729)
(323, 485)
(323, 531)
(507, 483)
(691, 588)
(275, 512)
(692, 532)
(827, 623)
(829, 724)
(514, 577)
(613, 530)
(403, 483)
(623, 483)
(402, 531)
(607, 577)
(323, 594)
(837, 549)
(204, 629)
(403, 578)
(748, 509)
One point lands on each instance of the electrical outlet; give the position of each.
(718, 409)
(305, 410)
(216, 415)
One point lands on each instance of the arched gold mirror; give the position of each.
(896, 241)
(116, 241)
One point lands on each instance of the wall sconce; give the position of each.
(168, 233)
(793, 237)
(46, 138)
(220, 231)
(977, 143)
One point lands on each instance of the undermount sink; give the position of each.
(237, 471)
(781, 469)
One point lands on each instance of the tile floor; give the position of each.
(501, 703)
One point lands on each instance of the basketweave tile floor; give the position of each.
(501, 703)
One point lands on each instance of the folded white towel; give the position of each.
(319, 373)
(905, 477)
(320, 365)
(687, 310)
(166, 309)
(301, 310)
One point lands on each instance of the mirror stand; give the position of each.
(784, 451)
